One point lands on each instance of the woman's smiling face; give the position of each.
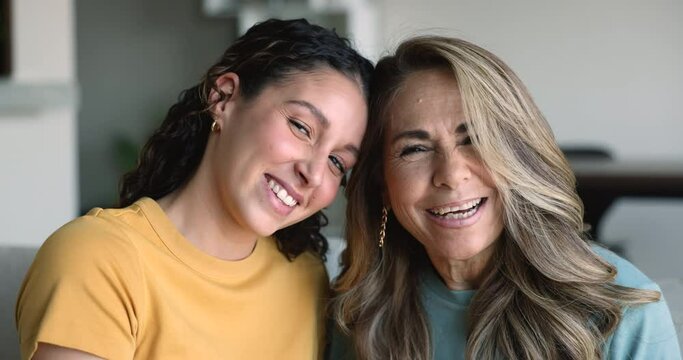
(280, 156)
(436, 184)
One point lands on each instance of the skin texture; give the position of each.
(53, 352)
(303, 133)
(430, 164)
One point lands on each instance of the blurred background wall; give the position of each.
(134, 57)
(92, 78)
(38, 120)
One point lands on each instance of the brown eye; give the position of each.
(338, 165)
(412, 149)
(298, 126)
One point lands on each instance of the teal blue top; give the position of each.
(645, 332)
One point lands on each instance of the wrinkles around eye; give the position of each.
(299, 127)
(338, 165)
(412, 150)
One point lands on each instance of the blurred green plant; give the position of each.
(126, 152)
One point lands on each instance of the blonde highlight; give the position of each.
(548, 294)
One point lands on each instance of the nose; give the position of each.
(311, 171)
(451, 170)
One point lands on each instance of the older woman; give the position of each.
(217, 253)
(465, 233)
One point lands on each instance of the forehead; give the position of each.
(324, 88)
(315, 78)
(325, 96)
(427, 99)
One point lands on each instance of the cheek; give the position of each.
(280, 148)
(326, 193)
(272, 138)
(498, 216)
(404, 186)
(482, 172)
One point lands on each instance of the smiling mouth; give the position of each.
(463, 211)
(281, 193)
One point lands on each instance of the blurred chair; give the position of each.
(595, 205)
(589, 152)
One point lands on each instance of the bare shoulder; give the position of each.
(47, 351)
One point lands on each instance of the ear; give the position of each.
(228, 84)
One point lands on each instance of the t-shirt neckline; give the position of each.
(198, 260)
(433, 283)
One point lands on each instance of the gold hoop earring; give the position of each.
(215, 127)
(383, 226)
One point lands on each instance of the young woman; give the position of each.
(465, 233)
(216, 252)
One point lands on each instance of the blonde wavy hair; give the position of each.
(547, 294)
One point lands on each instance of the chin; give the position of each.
(262, 229)
(460, 255)
(462, 252)
(268, 231)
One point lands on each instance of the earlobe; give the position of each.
(228, 85)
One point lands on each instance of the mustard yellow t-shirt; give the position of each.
(125, 284)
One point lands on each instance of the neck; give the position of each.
(463, 274)
(203, 221)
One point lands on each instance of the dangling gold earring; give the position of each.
(383, 226)
(215, 127)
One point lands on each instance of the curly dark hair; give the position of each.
(269, 52)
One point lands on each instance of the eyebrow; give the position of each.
(314, 110)
(353, 150)
(423, 135)
(323, 121)
(411, 134)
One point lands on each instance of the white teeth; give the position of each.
(460, 215)
(281, 193)
(451, 212)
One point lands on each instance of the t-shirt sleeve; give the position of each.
(646, 332)
(83, 291)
